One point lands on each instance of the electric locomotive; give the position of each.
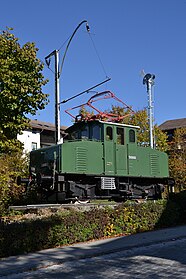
(100, 159)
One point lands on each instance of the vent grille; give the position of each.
(108, 183)
(81, 159)
(154, 164)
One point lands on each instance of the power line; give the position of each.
(64, 43)
(96, 51)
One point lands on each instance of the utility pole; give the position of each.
(149, 81)
(57, 99)
(55, 53)
(58, 72)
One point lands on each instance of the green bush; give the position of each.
(72, 226)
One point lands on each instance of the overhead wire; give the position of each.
(99, 58)
(48, 67)
(68, 40)
(94, 46)
(64, 43)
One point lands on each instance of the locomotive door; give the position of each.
(132, 154)
(109, 158)
(121, 152)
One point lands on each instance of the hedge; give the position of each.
(70, 226)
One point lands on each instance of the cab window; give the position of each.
(109, 133)
(85, 133)
(131, 135)
(120, 135)
(74, 135)
(96, 132)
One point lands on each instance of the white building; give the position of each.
(40, 134)
(30, 140)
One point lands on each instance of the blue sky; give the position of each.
(129, 35)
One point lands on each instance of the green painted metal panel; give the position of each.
(82, 157)
(133, 168)
(143, 161)
(151, 162)
(109, 158)
(154, 164)
(163, 164)
(121, 159)
(95, 157)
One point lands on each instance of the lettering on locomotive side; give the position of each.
(132, 157)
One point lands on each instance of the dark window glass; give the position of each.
(131, 135)
(120, 135)
(109, 134)
(74, 135)
(85, 133)
(34, 145)
(96, 132)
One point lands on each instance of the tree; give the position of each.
(21, 82)
(177, 158)
(11, 166)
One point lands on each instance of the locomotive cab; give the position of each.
(99, 148)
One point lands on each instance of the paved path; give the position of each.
(144, 254)
(165, 260)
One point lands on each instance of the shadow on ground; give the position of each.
(145, 254)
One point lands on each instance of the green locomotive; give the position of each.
(99, 160)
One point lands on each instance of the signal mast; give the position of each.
(148, 79)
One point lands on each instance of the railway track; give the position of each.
(77, 205)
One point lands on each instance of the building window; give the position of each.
(131, 135)
(109, 134)
(120, 136)
(34, 145)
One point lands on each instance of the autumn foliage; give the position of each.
(177, 159)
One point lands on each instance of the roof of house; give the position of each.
(36, 124)
(173, 124)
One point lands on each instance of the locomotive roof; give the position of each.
(76, 124)
(119, 124)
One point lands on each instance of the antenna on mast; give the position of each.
(148, 79)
